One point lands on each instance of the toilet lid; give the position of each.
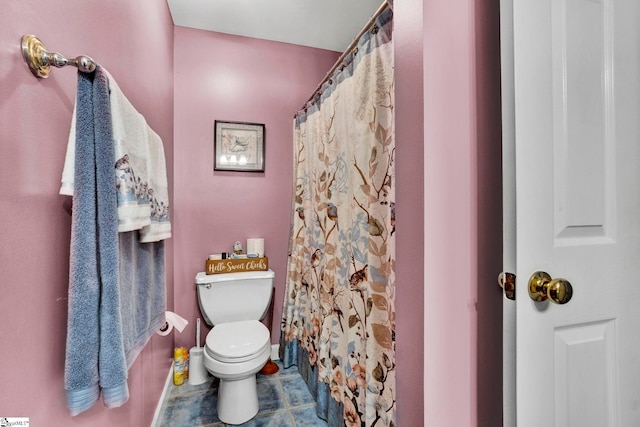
(235, 341)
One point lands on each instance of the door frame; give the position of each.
(508, 210)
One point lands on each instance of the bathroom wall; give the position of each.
(410, 214)
(462, 213)
(134, 41)
(225, 77)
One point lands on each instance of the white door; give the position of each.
(576, 98)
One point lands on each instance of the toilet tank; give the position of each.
(232, 297)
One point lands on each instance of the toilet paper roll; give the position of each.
(255, 246)
(172, 320)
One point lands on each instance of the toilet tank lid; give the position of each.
(203, 278)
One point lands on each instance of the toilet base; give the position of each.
(237, 400)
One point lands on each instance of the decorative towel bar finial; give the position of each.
(40, 61)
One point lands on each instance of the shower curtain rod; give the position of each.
(40, 61)
(386, 4)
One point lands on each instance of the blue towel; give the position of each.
(116, 284)
(81, 363)
(94, 359)
(142, 291)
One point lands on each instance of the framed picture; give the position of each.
(238, 147)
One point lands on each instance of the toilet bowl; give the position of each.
(234, 353)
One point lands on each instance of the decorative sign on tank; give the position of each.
(231, 265)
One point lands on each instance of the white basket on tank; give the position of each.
(232, 297)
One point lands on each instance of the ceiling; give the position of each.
(325, 24)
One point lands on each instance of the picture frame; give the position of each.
(238, 146)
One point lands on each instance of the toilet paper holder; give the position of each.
(172, 320)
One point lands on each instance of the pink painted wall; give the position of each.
(224, 77)
(451, 233)
(462, 221)
(410, 196)
(133, 40)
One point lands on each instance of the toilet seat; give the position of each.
(236, 342)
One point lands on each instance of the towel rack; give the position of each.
(40, 61)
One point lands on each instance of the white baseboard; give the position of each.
(275, 349)
(155, 422)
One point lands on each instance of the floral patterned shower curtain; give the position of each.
(338, 316)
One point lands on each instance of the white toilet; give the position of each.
(239, 344)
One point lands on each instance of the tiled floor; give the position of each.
(285, 401)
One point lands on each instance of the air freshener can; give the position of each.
(178, 366)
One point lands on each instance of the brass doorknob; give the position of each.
(543, 287)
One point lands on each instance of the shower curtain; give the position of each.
(338, 316)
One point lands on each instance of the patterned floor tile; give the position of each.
(270, 397)
(291, 370)
(296, 391)
(284, 401)
(307, 417)
(272, 419)
(186, 388)
(195, 409)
